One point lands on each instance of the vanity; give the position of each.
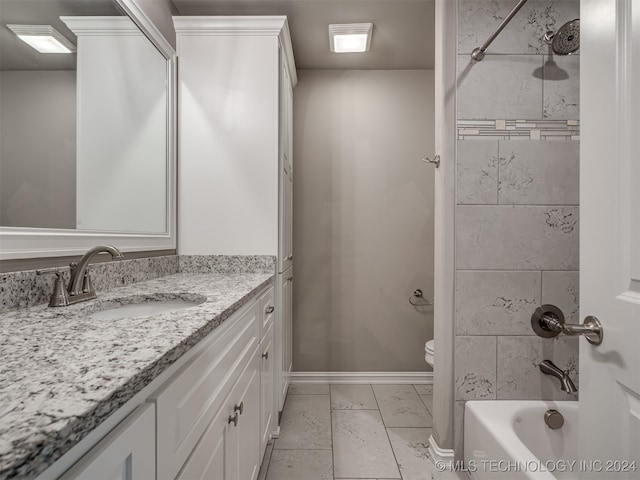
(176, 370)
(182, 394)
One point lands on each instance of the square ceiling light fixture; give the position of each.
(350, 37)
(44, 38)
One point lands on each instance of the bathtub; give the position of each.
(506, 439)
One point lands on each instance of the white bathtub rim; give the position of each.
(485, 410)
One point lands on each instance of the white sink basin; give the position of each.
(144, 306)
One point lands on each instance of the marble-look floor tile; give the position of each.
(424, 389)
(356, 397)
(539, 173)
(562, 289)
(306, 423)
(400, 406)
(428, 402)
(475, 367)
(477, 172)
(308, 389)
(508, 89)
(519, 375)
(516, 237)
(300, 465)
(496, 302)
(561, 87)
(411, 448)
(361, 448)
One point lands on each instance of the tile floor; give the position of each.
(340, 432)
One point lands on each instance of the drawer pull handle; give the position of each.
(265, 355)
(269, 309)
(233, 419)
(239, 408)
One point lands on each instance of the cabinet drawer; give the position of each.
(188, 402)
(267, 311)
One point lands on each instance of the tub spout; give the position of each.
(566, 384)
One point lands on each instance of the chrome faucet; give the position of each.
(566, 384)
(80, 288)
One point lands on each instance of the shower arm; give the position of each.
(478, 53)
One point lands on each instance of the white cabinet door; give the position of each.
(127, 452)
(208, 459)
(267, 390)
(244, 439)
(286, 353)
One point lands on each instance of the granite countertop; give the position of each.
(62, 373)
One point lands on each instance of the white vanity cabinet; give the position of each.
(126, 453)
(189, 401)
(235, 115)
(210, 418)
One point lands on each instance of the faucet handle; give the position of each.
(59, 297)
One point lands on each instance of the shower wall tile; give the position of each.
(561, 87)
(500, 87)
(562, 289)
(477, 19)
(516, 238)
(475, 368)
(519, 376)
(539, 173)
(458, 429)
(477, 181)
(496, 303)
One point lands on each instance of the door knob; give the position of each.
(435, 160)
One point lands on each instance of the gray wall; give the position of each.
(517, 202)
(363, 219)
(38, 149)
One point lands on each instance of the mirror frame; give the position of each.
(23, 242)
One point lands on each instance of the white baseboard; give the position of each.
(422, 378)
(438, 454)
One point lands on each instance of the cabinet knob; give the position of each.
(269, 309)
(233, 419)
(265, 355)
(239, 408)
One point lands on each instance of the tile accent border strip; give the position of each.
(396, 378)
(519, 129)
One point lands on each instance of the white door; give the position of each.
(610, 237)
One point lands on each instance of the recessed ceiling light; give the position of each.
(44, 38)
(350, 37)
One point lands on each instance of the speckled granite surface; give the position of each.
(63, 373)
(25, 289)
(227, 263)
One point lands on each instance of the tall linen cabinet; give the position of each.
(235, 170)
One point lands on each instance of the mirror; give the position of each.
(85, 136)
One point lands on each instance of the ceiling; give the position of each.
(17, 55)
(403, 30)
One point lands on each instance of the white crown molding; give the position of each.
(102, 25)
(223, 25)
(397, 378)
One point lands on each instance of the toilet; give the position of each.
(429, 351)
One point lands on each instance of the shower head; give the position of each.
(565, 40)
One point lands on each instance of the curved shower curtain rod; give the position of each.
(478, 53)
